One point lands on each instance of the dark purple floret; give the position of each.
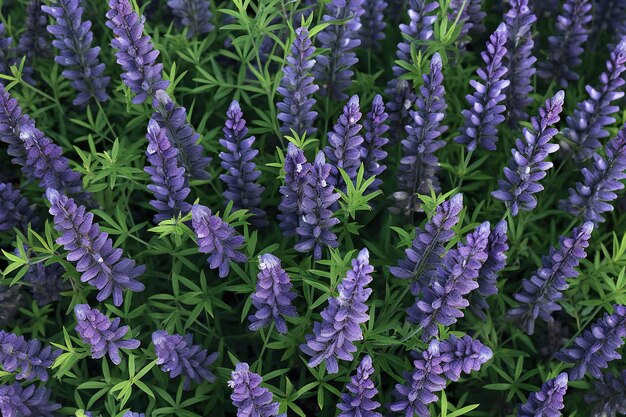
(297, 86)
(25, 357)
(46, 281)
(273, 297)
(241, 174)
(168, 179)
(528, 165)
(548, 402)
(566, 45)
(359, 401)
(607, 396)
(217, 238)
(470, 16)
(373, 24)
(485, 113)
(133, 414)
(102, 335)
(6, 52)
(73, 40)
(609, 16)
(462, 355)
(16, 401)
(250, 399)
(15, 209)
(100, 264)
(374, 139)
(333, 338)
(135, 51)
(296, 169)
(35, 40)
(11, 301)
(195, 15)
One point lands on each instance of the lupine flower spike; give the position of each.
(292, 191)
(250, 399)
(470, 17)
(15, 209)
(548, 402)
(195, 15)
(359, 401)
(25, 357)
(528, 165)
(46, 282)
(102, 335)
(35, 40)
(6, 50)
(607, 397)
(373, 29)
(333, 338)
(16, 401)
(374, 139)
(462, 355)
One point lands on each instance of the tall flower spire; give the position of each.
(35, 40)
(374, 139)
(373, 29)
(292, 191)
(195, 15)
(359, 401)
(250, 399)
(548, 401)
(470, 16)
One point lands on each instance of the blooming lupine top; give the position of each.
(547, 402)
(470, 16)
(179, 356)
(565, 46)
(16, 401)
(292, 191)
(102, 335)
(593, 196)
(359, 401)
(217, 238)
(596, 346)
(297, 87)
(34, 41)
(607, 397)
(374, 139)
(241, 173)
(73, 39)
(15, 209)
(373, 20)
(462, 355)
(26, 357)
(587, 125)
(528, 166)
(333, 337)
(168, 179)
(250, 399)
(484, 113)
(195, 15)
(135, 51)
(91, 250)
(273, 295)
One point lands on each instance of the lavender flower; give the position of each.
(273, 296)
(484, 113)
(316, 222)
(26, 357)
(179, 356)
(91, 250)
(609, 17)
(103, 335)
(168, 179)
(586, 126)
(539, 294)
(16, 401)
(45, 281)
(596, 346)
(470, 15)
(373, 29)
(593, 196)
(292, 191)
(548, 402)
(528, 166)
(241, 173)
(195, 15)
(334, 337)
(332, 70)
(133, 414)
(359, 402)
(565, 46)
(372, 153)
(15, 210)
(297, 86)
(73, 39)
(419, 165)
(250, 399)
(10, 302)
(462, 355)
(34, 41)
(607, 397)
(135, 51)
(217, 238)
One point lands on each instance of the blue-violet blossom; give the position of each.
(547, 402)
(16, 401)
(374, 139)
(250, 399)
(195, 15)
(292, 190)
(359, 401)
(25, 357)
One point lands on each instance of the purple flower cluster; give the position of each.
(25, 357)
(34, 41)
(6, 51)
(250, 399)
(359, 402)
(373, 24)
(195, 15)
(374, 139)
(11, 301)
(547, 402)
(607, 397)
(296, 169)
(470, 16)
(15, 209)
(45, 282)
(16, 401)
(462, 355)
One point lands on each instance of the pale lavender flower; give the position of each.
(359, 401)
(16, 401)
(292, 190)
(374, 139)
(548, 402)
(250, 399)
(133, 414)
(462, 355)
(28, 358)
(195, 15)
(15, 209)
(373, 24)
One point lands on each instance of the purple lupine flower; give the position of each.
(35, 40)
(46, 281)
(91, 250)
(444, 299)
(359, 402)
(344, 143)
(292, 191)
(373, 24)
(217, 238)
(519, 60)
(540, 294)
(73, 40)
(273, 296)
(566, 45)
(103, 336)
(133, 414)
(593, 196)
(11, 301)
(194, 15)
(462, 355)
(316, 222)
(585, 127)
(609, 16)
(16, 401)
(424, 256)
(168, 179)
(26, 357)
(372, 153)
(528, 165)
(15, 209)
(547, 402)
(484, 113)
(250, 399)
(596, 346)
(178, 355)
(135, 51)
(419, 165)
(332, 70)
(297, 86)
(607, 397)
(470, 16)
(173, 118)
(333, 338)
(241, 174)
